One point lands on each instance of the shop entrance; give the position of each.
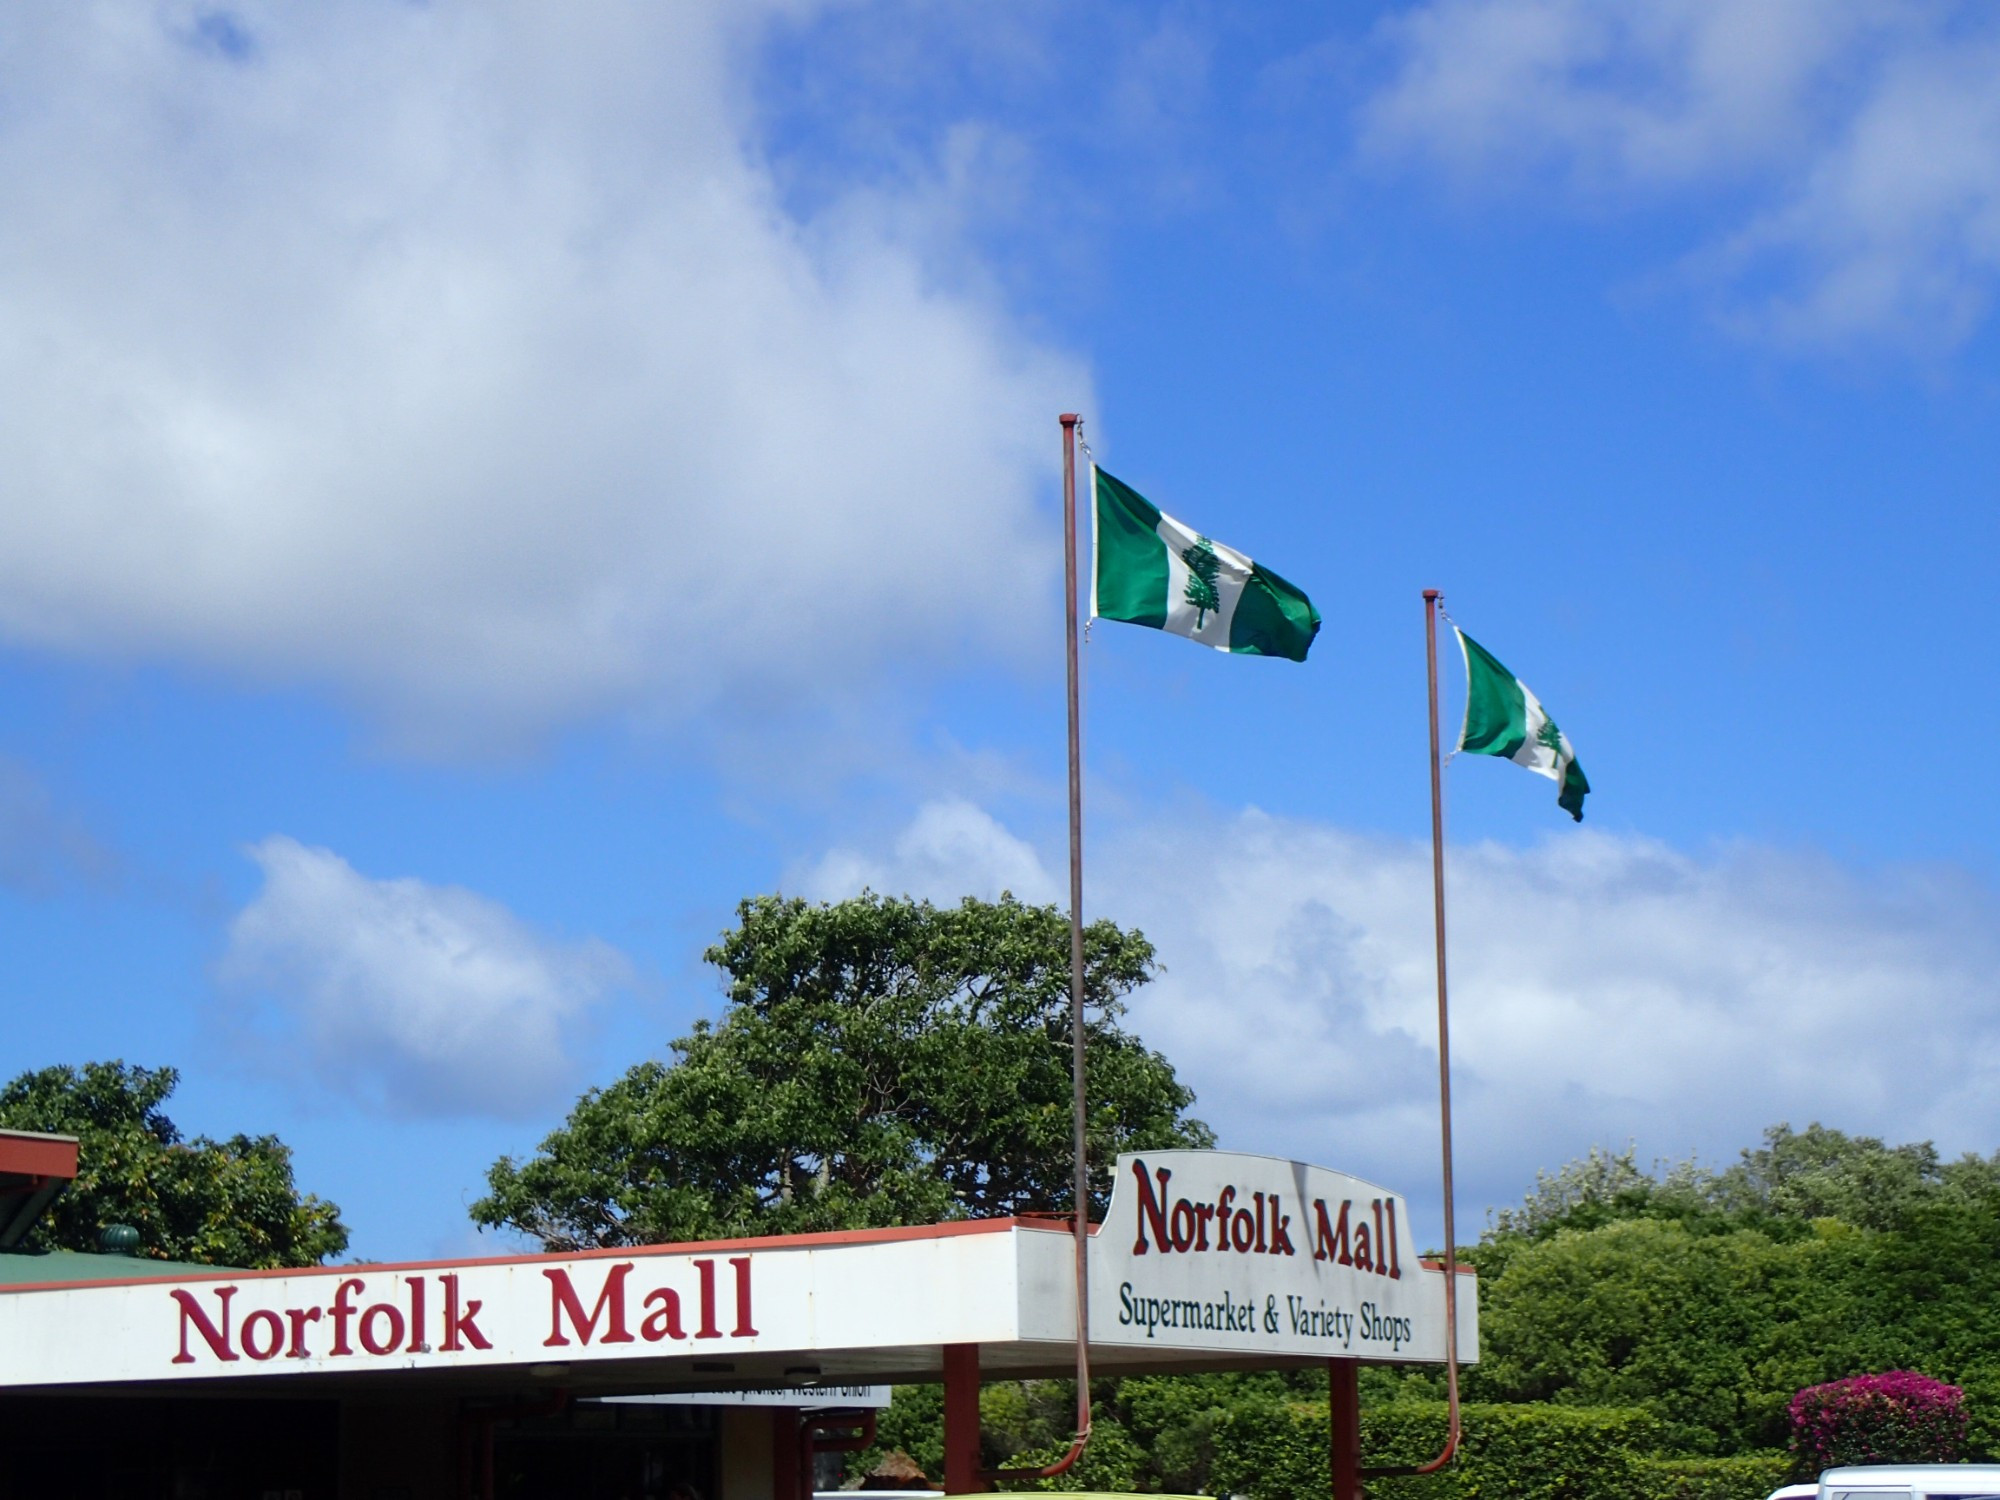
(125, 1449)
(609, 1451)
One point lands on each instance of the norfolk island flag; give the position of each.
(1503, 718)
(1152, 570)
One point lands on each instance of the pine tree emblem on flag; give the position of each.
(1151, 570)
(1502, 717)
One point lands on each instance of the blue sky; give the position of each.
(480, 493)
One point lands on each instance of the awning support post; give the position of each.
(1343, 1396)
(788, 1465)
(961, 1420)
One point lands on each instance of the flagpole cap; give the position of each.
(1433, 594)
(1069, 418)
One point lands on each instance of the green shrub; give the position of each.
(1750, 1476)
(1278, 1451)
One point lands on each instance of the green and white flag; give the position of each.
(1151, 570)
(1503, 718)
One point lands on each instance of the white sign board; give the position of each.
(1252, 1254)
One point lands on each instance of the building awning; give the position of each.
(1206, 1260)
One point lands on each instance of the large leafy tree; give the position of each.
(226, 1203)
(881, 1061)
(1709, 1298)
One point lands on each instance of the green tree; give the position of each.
(1709, 1298)
(881, 1061)
(1204, 569)
(227, 1203)
(1712, 1333)
(1820, 1173)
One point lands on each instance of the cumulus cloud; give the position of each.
(952, 849)
(1605, 988)
(417, 998)
(1858, 145)
(468, 359)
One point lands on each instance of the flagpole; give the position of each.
(1431, 597)
(1078, 1099)
(1080, 1220)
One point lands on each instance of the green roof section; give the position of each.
(67, 1267)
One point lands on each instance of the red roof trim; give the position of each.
(1437, 1264)
(26, 1154)
(825, 1240)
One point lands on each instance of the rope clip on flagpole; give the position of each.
(1432, 608)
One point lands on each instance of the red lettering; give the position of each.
(1183, 1225)
(343, 1310)
(665, 1321)
(1281, 1226)
(394, 1341)
(1381, 1249)
(705, 1269)
(1152, 1210)
(1395, 1251)
(1260, 1223)
(1330, 1242)
(1203, 1213)
(255, 1325)
(1242, 1233)
(742, 1330)
(1364, 1258)
(1222, 1217)
(417, 1344)
(610, 1305)
(217, 1339)
(298, 1317)
(460, 1325)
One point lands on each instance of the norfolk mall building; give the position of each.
(722, 1366)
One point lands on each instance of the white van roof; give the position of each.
(1935, 1479)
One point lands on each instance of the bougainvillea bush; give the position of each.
(1898, 1418)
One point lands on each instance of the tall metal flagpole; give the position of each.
(1081, 1218)
(1078, 1100)
(1431, 597)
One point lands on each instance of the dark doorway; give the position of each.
(117, 1449)
(608, 1452)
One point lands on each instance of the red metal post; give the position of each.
(961, 1420)
(787, 1464)
(1343, 1399)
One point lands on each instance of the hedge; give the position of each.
(1750, 1476)
(1278, 1451)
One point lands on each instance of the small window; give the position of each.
(1846, 1494)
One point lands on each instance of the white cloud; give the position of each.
(418, 998)
(465, 358)
(1857, 144)
(951, 850)
(1604, 988)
